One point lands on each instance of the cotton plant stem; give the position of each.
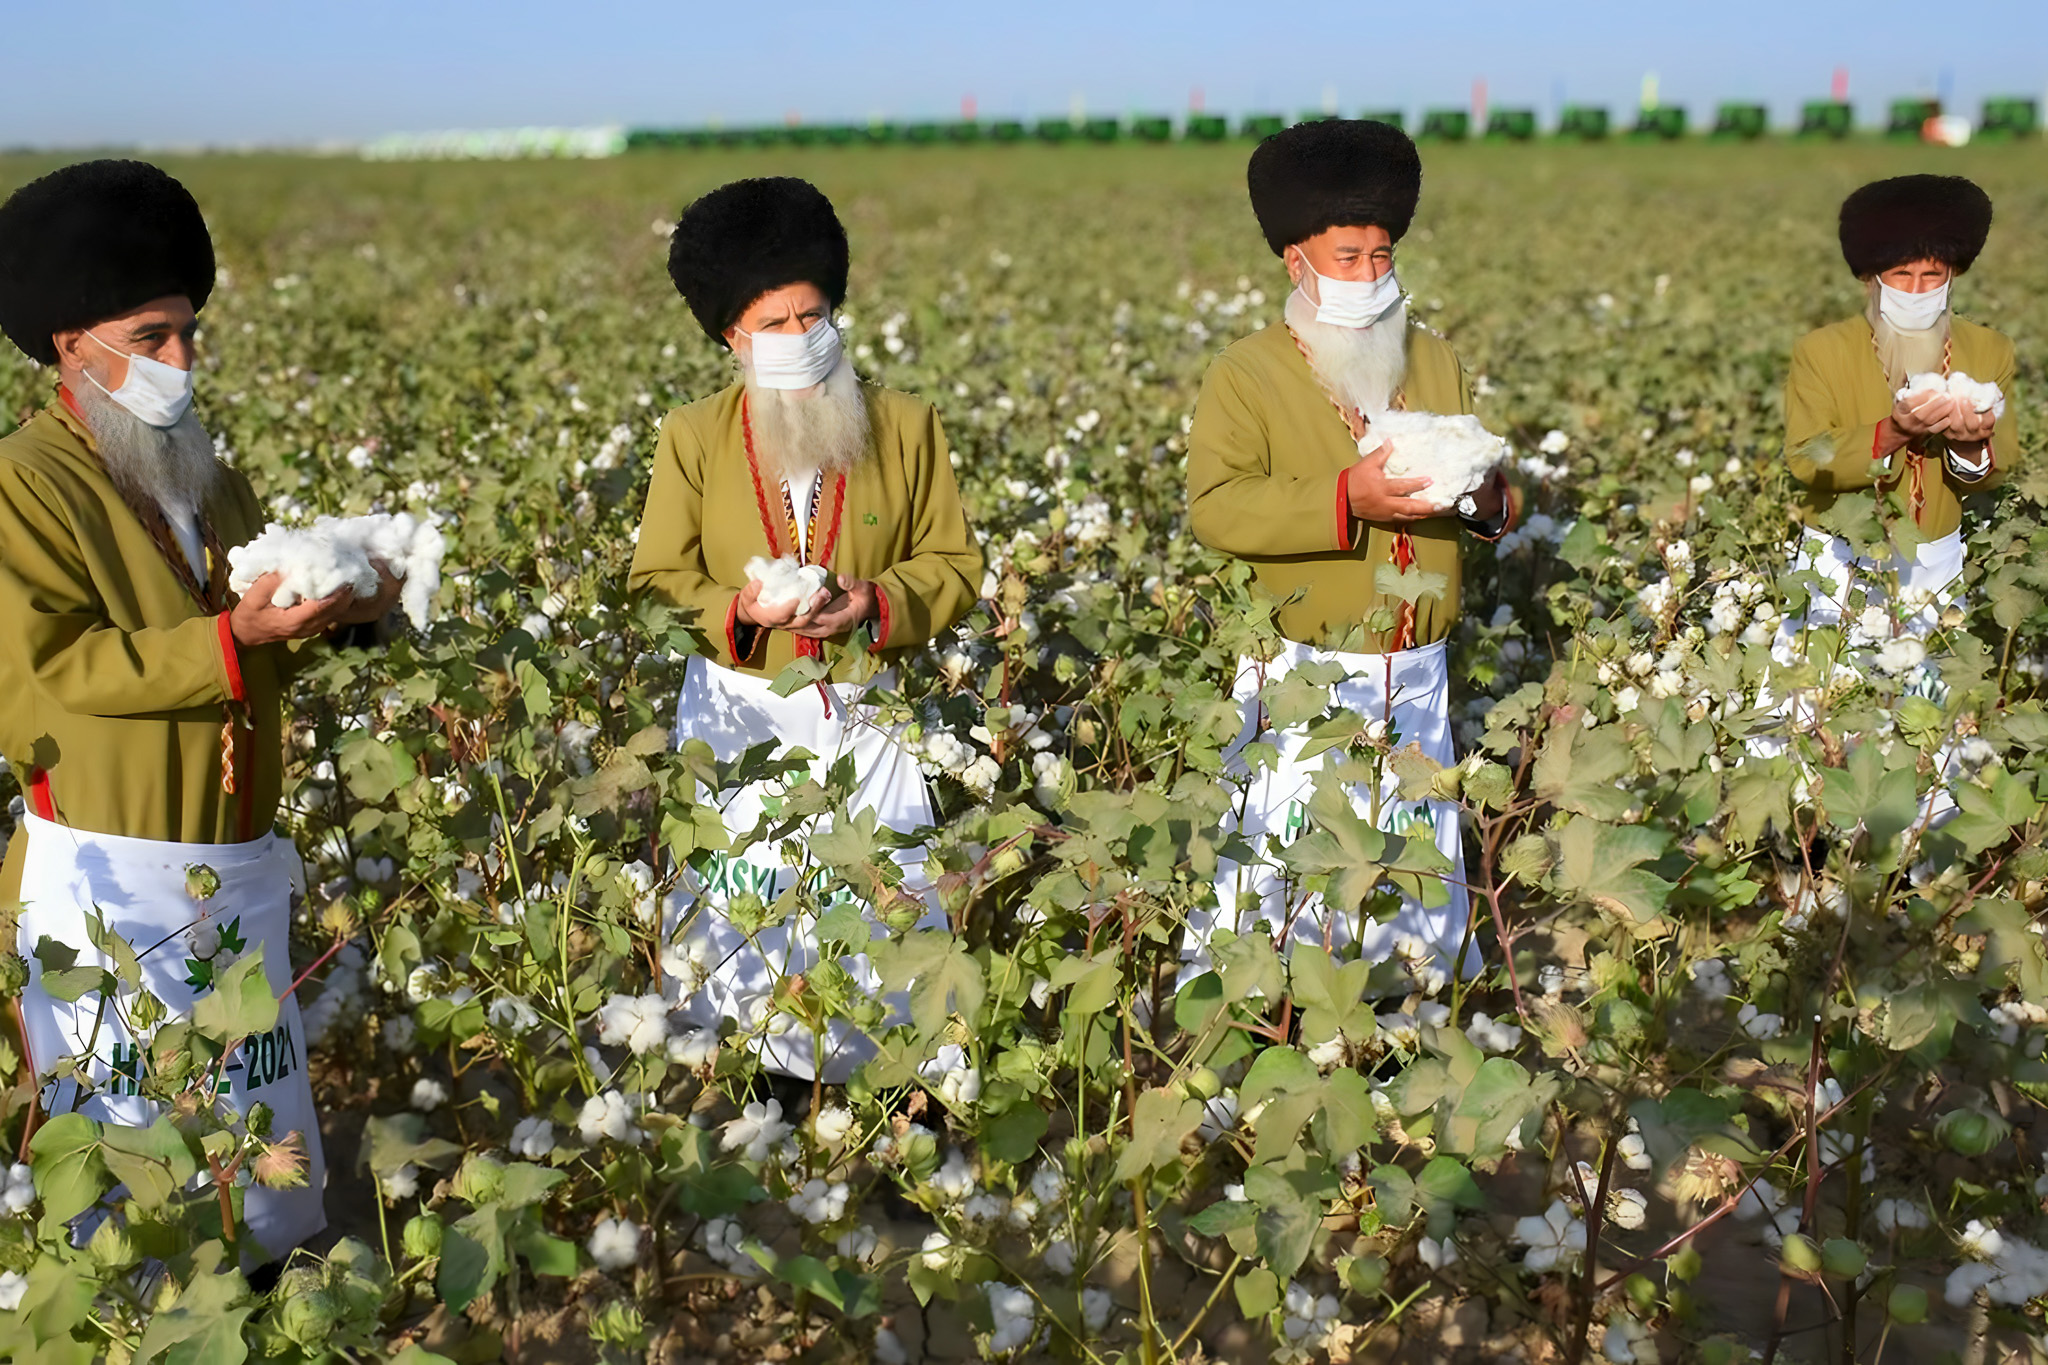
(1147, 1321)
(1595, 1205)
(1730, 1203)
(1223, 1282)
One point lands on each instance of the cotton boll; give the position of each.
(1981, 395)
(1456, 452)
(334, 552)
(786, 580)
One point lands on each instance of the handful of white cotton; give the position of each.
(1981, 395)
(343, 552)
(1455, 452)
(787, 580)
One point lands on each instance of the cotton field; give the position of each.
(1750, 1064)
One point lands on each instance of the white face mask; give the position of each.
(1912, 312)
(1351, 303)
(154, 392)
(794, 360)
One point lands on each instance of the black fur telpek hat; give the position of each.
(1334, 173)
(1914, 218)
(94, 241)
(746, 238)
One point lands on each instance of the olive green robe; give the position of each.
(1266, 463)
(1837, 396)
(710, 509)
(116, 677)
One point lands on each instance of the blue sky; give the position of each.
(245, 72)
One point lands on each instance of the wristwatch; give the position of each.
(1468, 507)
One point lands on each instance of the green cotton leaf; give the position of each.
(1281, 1121)
(203, 1325)
(1990, 813)
(1331, 997)
(1013, 1135)
(1249, 967)
(54, 955)
(1878, 792)
(1286, 1221)
(942, 976)
(1293, 699)
(1497, 1101)
(1412, 586)
(1599, 863)
(844, 925)
(1677, 745)
(800, 673)
(851, 842)
(375, 768)
(1670, 1127)
(127, 967)
(1759, 795)
(153, 1162)
(401, 1139)
(75, 983)
(535, 692)
(2012, 950)
(1342, 844)
(1276, 1070)
(548, 1254)
(1094, 980)
(465, 1273)
(240, 1003)
(1921, 1019)
(527, 1183)
(56, 1300)
(1585, 546)
(1346, 1121)
(1445, 1185)
(1160, 1123)
(1258, 1293)
(1223, 1217)
(70, 1171)
(1578, 768)
(1393, 1193)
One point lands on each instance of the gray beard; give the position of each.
(1900, 353)
(172, 469)
(1362, 366)
(823, 429)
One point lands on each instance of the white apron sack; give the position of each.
(1928, 575)
(1926, 581)
(138, 887)
(1410, 690)
(731, 711)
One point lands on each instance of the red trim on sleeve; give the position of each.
(732, 625)
(1344, 508)
(230, 659)
(39, 794)
(882, 628)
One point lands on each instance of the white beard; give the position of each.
(1902, 353)
(823, 429)
(170, 468)
(1362, 366)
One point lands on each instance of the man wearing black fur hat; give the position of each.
(144, 702)
(798, 513)
(1287, 472)
(1878, 400)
